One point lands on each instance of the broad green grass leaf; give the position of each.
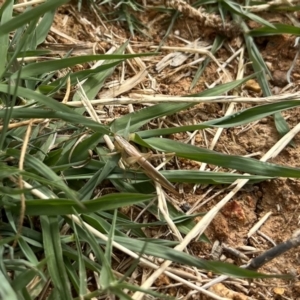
(262, 71)
(44, 26)
(276, 30)
(65, 206)
(54, 256)
(70, 253)
(82, 276)
(143, 116)
(102, 174)
(45, 67)
(236, 9)
(27, 251)
(45, 171)
(186, 259)
(252, 114)
(188, 176)
(97, 221)
(243, 164)
(82, 75)
(6, 291)
(106, 277)
(24, 278)
(207, 177)
(218, 42)
(73, 272)
(27, 16)
(285, 8)
(222, 88)
(94, 83)
(4, 39)
(60, 111)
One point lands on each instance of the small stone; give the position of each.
(263, 121)
(278, 291)
(253, 86)
(279, 78)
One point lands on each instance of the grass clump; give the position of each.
(58, 228)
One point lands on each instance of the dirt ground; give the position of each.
(280, 197)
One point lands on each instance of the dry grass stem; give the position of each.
(270, 5)
(206, 20)
(142, 98)
(199, 50)
(258, 224)
(24, 123)
(20, 181)
(126, 86)
(28, 3)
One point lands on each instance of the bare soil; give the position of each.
(281, 196)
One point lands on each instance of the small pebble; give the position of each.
(279, 78)
(252, 85)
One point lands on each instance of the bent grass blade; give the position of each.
(128, 152)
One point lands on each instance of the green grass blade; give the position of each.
(82, 276)
(252, 114)
(186, 259)
(262, 71)
(54, 256)
(24, 278)
(66, 206)
(143, 116)
(102, 174)
(6, 291)
(45, 67)
(276, 30)
(93, 84)
(4, 39)
(44, 26)
(27, 16)
(236, 9)
(243, 164)
(218, 42)
(45, 171)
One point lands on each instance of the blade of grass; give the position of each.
(218, 42)
(45, 67)
(66, 206)
(276, 30)
(54, 256)
(247, 165)
(82, 276)
(4, 39)
(262, 70)
(27, 16)
(143, 116)
(45, 171)
(6, 291)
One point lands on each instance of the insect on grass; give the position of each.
(130, 154)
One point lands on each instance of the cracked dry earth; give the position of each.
(280, 197)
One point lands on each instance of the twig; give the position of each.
(272, 253)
